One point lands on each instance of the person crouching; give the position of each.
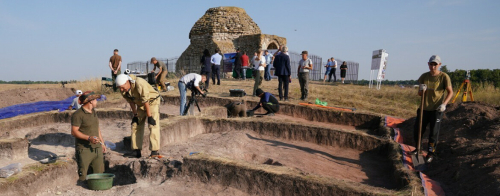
(268, 102)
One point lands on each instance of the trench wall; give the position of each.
(357, 119)
(268, 180)
(39, 178)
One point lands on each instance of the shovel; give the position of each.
(418, 159)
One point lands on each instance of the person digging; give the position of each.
(145, 103)
(89, 145)
(267, 101)
(434, 83)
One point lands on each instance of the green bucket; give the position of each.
(100, 181)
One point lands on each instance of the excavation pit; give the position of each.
(212, 154)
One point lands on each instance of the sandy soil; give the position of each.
(177, 186)
(26, 95)
(341, 163)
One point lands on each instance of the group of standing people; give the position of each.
(331, 69)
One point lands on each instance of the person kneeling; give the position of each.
(89, 147)
(268, 102)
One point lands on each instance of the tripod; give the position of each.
(466, 86)
(191, 101)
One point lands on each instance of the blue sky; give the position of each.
(66, 40)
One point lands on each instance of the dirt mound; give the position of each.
(468, 149)
(25, 95)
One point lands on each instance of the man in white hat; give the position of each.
(145, 103)
(75, 105)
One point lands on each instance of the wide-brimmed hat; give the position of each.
(88, 96)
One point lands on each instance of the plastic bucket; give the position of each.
(102, 181)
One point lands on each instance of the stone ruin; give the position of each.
(225, 28)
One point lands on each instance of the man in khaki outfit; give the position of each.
(89, 147)
(161, 77)
(145, 103)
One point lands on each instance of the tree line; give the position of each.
(478, 77)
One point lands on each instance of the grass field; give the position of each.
(389, 100)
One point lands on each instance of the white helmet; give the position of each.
(78, 92)
(122, 79)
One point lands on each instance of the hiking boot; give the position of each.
(153, 153)
(134, 154)
(430, 156)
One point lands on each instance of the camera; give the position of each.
(195, 92)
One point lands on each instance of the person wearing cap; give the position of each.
(145, 103)
(189, 81)
(435, 83)
(305, 65)
(267, 72)
(268, 102)
(75, 104)
(283, 70)
(161, 76)
(115, 64)
(259, 62)
(216, 60)
(237, 64)
(89, 144)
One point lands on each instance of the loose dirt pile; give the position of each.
(25, 95)
(468, 149)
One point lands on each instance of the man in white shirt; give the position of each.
(75, 105)
(190, 81)
(305, 65)
(216, 61)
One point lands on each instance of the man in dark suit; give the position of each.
(237, 64)
(283, 71)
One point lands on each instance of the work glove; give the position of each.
(151, 121)
(135, 120)
(422, 87)
(441, 108)
(204, 95)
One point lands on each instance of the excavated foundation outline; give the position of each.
(172, 131)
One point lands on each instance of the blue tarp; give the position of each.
(41, 106)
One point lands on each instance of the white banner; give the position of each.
(383, 66)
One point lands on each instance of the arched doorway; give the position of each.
(272, 46)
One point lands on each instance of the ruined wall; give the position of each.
(224, 28)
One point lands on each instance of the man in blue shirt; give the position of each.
(268, 102)
(215, 60)
(269, 58)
